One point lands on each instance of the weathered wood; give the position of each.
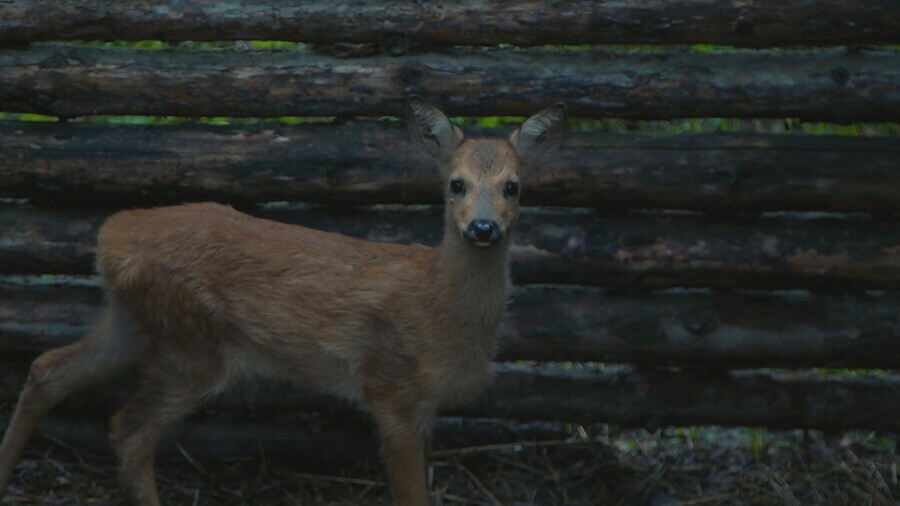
(678, 327)
(660, 398)
(612, 395)
(367, 162)
(702, 328)
(629, 251)
(399, 25)
(306, 442)
(830, 85)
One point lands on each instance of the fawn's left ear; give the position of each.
(538, 139)
(431, 129)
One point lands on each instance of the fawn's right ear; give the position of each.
(431, 129)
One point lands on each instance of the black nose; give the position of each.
(483, 230)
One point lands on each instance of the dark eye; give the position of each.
(512, 189)
(457, 187)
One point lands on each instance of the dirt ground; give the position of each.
(592, 466)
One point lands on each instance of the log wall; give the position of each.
(659, 278)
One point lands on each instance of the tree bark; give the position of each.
(306, 442)
(400, 25)
(364, 162)
(651, 398)
(696, 328)
(660, 398)
(830, 85)
(701, 328)
(629, 251)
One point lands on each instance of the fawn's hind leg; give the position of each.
(164, 398)
(56, 374)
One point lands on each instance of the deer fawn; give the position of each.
(200, 295)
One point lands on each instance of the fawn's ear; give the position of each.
(538, 139)
(431, 129)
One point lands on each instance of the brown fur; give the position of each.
(201, 295)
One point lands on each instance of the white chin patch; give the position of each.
(477, 244)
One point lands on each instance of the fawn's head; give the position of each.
(481, 176)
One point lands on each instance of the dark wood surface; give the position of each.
(651, 398)
(400, 25)
(370, 162)
(307, 441)
(835, 85)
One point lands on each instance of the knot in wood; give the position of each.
(743, 26)
(840, 75)
(699, 322)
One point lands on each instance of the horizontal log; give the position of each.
(661, 398)
(611, 395)
(366, 162)
(701, 328)
(399, 25)
(305, 442)
(630, 251)
(676, 327)
(832, 85)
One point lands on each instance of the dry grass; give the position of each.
(700, 466)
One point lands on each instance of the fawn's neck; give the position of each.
(476, 279)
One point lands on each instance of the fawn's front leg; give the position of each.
(404, 431)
